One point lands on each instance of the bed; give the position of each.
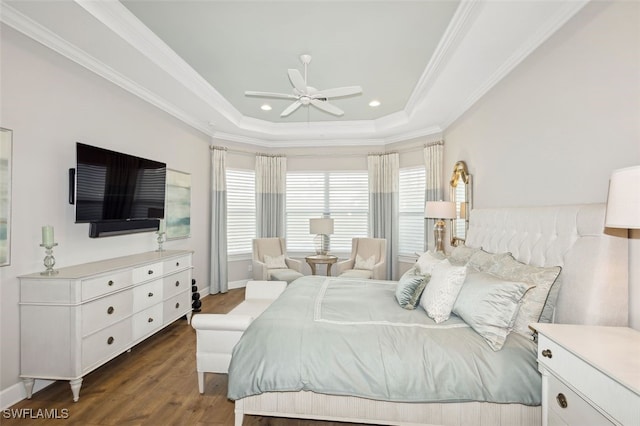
(388, 365)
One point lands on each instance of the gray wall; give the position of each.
(51, 103)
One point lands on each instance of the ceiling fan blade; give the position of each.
(270, 95)
(339, 92)
(327, 107)
(296, 79)
(288, 110)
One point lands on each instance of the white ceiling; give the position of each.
(426, 61)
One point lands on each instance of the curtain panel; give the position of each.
(384, 177)
(271, 180)
(434, 187)
(218, 282)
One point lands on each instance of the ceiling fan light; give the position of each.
(374, 103)
(265, 107)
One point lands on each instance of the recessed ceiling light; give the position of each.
(266, 107)
(374, 103)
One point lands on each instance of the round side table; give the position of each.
(321, 259)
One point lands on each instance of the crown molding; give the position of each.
(531, 44)
(456, 30)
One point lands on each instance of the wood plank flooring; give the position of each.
(153, 384)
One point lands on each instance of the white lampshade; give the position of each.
(323, 226)
(623, 202)
(440, 210)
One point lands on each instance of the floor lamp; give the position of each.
(623, 211)
(440, 211)
(322, 227)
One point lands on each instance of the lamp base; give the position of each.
(439, 231)
(321, 243)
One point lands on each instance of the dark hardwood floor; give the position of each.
(153, 384)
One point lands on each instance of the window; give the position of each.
(411, 211)
(343, 196)
(241, 211)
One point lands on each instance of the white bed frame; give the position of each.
(594, 282)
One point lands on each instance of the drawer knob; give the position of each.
(177, 305)
(110, 340)
(150, 272)
(150, 294)
(547, 353)
(177, 283)
(177, 263)
(110, 283)
(562, 400)
(110, 310)
(150, 320)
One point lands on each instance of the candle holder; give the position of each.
(49, 260)
(160, 240)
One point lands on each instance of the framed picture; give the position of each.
(177, 213)
(6, 137)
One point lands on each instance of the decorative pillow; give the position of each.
(460, 255)
(276, 262)
(427, 261)
(410, 288)
(489, 305)
(367, 264)
(441, 291)
(481, 260)
(533, 303)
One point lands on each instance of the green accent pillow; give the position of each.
(410, 288)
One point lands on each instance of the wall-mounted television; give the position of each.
(113, 187)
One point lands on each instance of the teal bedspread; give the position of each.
(350, 337)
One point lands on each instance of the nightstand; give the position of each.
(590, 374)
(321, 259)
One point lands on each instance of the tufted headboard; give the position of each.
(594, 278)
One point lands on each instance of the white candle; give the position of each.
(161, 226)
(47, 236)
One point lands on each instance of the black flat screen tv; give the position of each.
(112, 186)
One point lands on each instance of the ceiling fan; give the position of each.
(307, 95)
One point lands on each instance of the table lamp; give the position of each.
(623, 211)
(439, 210)
(322, 228)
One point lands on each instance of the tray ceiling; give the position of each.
(426, 62)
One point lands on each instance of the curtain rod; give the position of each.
(253, 153)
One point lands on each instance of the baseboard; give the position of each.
(232, 285)
(16, 393)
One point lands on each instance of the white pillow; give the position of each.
(427, 261)
(442, 290)
(367, 264)
(276, 262)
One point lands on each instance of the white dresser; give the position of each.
(590, 374)
(75, 321)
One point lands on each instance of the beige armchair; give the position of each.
(367, 260)
(270, 261)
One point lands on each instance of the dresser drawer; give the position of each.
(103, 345)
(147, 272)
(176, 307)
(147, 295)
(176, 264)
(601, 390)
(571, 408)
(104, 284)
(147, 321)
(177, 283)
(106, 311)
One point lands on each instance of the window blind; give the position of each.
(241, 211)
(411, 210)
(342, 196)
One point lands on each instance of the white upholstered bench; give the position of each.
(217, 334)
